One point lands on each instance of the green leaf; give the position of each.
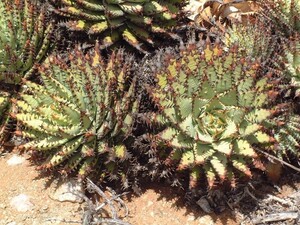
(188, 127)
(248, 128)
(202, 152)
(230, 130)
(229, 98)
(168, 134)
(261, 137)
(206, 91)
(242, 147)
(120, 151)
(240, 164)
(185, 106)
(187, 159)
(258, 115)
(219, 163)
(224, 146)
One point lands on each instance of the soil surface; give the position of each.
(156, 206)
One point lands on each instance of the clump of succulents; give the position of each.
(80, 116)
(292, 62)
(284, 15)
(217, 110)
(24, 39)
(139, 23)
(4, 101)
(284, 20)
(256, 40)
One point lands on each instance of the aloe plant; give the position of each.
(24, 40)
(292, 63)
(139, 23)
(4, 102)
(284, 15)
(217, 111)
(81, 115)
(256, 40)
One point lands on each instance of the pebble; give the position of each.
(69, 192)
(21, 203)
(204, 204)
(11, 223)
(2, 206)
(191, 218)
(15, 160)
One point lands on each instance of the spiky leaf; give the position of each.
(83, 112)
(140, 23)
(214, 95)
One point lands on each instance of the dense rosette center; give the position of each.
(214, 109)
(213, 124)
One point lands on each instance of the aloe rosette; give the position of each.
(24, 40)
(140, 23)
(80, 117)
(217, 111)
(4, 102)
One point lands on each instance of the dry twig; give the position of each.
(92, 216)
(279, 160)
(277, 217)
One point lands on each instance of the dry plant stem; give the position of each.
(92, 186)
(242, 196)
(117, 199)
(91, 218)
(277, 217)
(277, 199)
(110, 222)
(279, 160)
(62, 220)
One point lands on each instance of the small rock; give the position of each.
(21, 203)
(15, 160)
(191, 218)
(69, 191)
(11, 223)
(204, 204)
(2, 206)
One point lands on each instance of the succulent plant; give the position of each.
(4, 99)
(284, 20)
(287, 136)
(217, 111)
(284, 15)
(24, 38)
(292, 63)
(139, 23)
(81, 115)
(4, 102)
(255, 39)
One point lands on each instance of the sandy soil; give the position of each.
(151, 208)
(156, 206)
